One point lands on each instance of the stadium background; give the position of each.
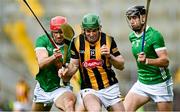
(19, 29)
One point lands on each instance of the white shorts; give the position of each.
(108, 96)
(161, 92)
(40, 96)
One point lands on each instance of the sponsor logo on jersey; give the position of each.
(92, 63)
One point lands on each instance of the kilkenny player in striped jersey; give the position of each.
(94, 53)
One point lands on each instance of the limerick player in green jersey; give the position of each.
(48, 89)
(154, 80)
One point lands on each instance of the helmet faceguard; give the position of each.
(56, 22)
(91, 21)
(91, 27)
(135, 11)
(55, 26)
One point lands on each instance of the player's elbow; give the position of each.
(120, 66)
(166, 62)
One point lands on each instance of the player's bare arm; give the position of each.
(43, 58)
(117, 62)
(73, 66)
(69, 71)
(161, 61)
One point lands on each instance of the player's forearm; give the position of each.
(117, 62)
(67, 72)
(72, 69)
(159, 62)
(46, 61)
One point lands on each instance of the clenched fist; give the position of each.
(105, 51)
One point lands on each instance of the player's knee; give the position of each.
(66, 102)
(69, 102)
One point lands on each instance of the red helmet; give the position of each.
(56, 22)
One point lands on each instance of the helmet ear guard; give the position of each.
(142, 19)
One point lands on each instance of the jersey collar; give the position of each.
(59, 46)
(139, 35)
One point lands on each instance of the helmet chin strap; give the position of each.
(60, 43)
(88, 39)
(94, 41)
(140, 29)
(56, 42)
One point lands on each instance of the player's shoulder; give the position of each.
(155, 33)
(153, 30)
(106, 35)
(132, 35)
(43, 38)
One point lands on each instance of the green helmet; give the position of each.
(91, 21)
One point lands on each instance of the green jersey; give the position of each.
(154, 41)
(48, 77)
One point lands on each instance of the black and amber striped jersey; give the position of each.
(95, 69)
